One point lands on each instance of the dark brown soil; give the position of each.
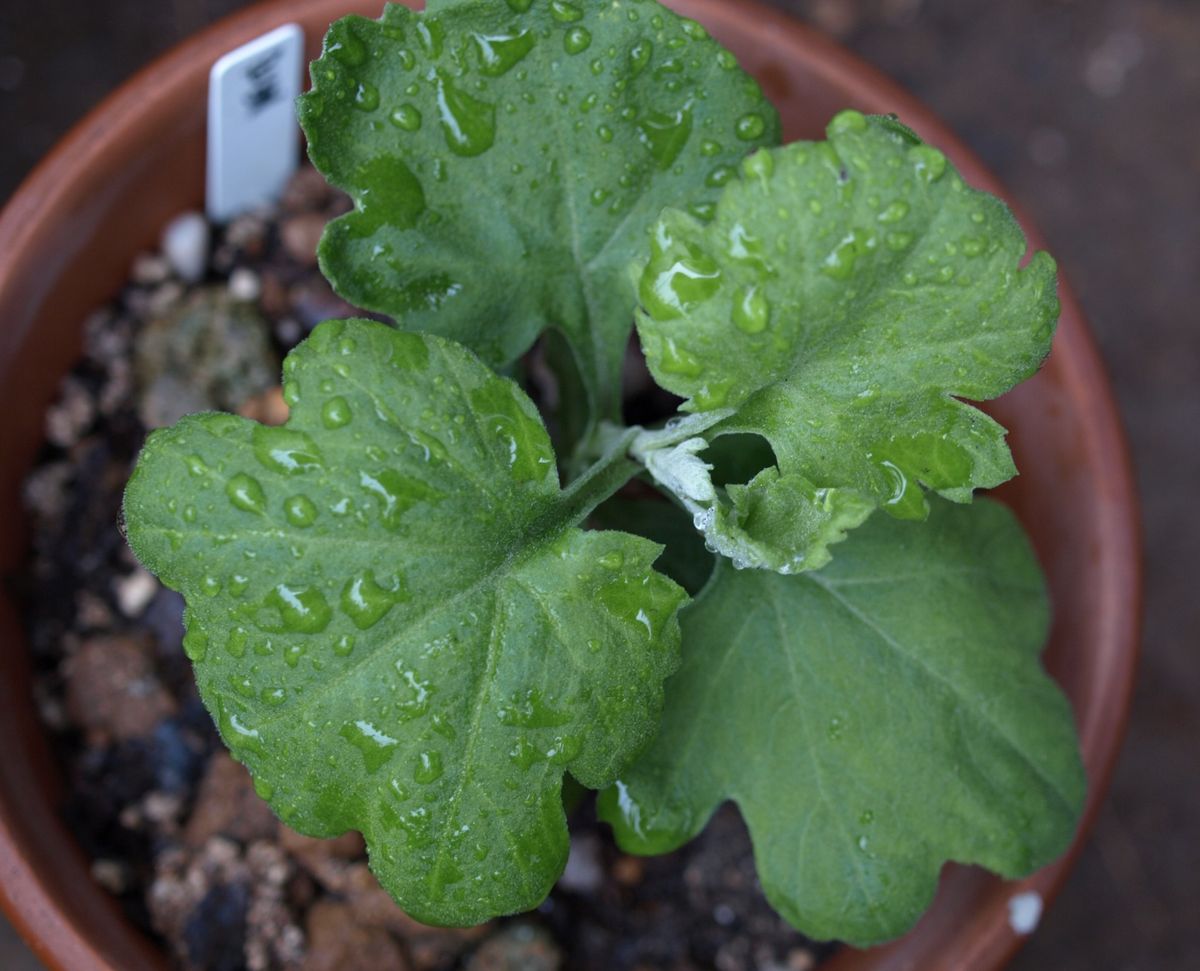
(170, 821)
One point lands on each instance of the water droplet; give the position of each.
(726, 60)
(760, 165)
(639, 56)
(366, 601)
(894, 212)
(500, 53)
(236, 732)
(196, 466)
(273, 696)
(375, 747)
(712, 395)
(677, 279)
(415, 692)
(238, 585)
(612, 560)
(928, 162)
(237, 642)
(665, 134)
(246, 493)
(599, 196)
(523, 441)
(210, 586)
(428, 768)
(898, 242)
(302, 610)
(468, 123)
(577, 40)
(396, 493)
(366, 96)
(263, 789)
(335, 413)
(751, 310)
(286, 450)
(605, 133)
(344, 645)
(720, 176)
(847, 122)
(195, 644)
(594, 646)
(565, 11)
(973, 246)
(563, 749)
(745, 248)
(300, 511)
(432, 36)
(907, 500)
(841, 261)
(531, 710)
(524, 754)
(673, 359)
(406, 118)
(750, 126)
(344, 44)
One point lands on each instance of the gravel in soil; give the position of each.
(171, 822)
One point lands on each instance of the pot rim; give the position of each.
(135, 110)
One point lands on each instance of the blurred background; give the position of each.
(1089, 111)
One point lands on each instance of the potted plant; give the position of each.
(670, 457)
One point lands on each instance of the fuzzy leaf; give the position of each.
(846, 296)
(507, 160)
(872, 721)
(394, 620)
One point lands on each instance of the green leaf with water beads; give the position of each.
(394, 619)
(871, 720)
(846, 298)
(507, 159)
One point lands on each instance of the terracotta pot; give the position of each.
(67, 239)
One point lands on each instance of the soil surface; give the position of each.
(171, 822)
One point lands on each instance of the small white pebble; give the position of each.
(1024, 912)
(149, 269)
(185, 245)
(724, 915)
(112, 875)
(134, 592)
(244, 285)
(583, 873)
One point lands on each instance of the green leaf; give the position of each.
(871, 721)
(845, 298)
(394, 620)
(507, 160)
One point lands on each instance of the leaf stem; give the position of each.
(606, 475)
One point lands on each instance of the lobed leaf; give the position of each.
(507, 160)
(394, 620)
(844, 300)
(872, 721)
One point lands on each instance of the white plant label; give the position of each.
(253, 136)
